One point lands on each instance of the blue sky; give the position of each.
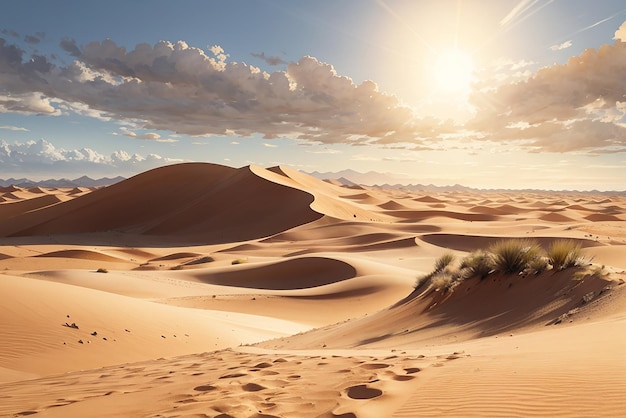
(491, 93)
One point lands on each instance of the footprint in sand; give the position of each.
(374, 366)
(363, 392)
(252, 387)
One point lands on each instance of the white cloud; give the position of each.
(620, 34)
(13, 128)
(42, 156)
(266, 145)
(577, 106)
(179, 88)
(561, 46)
(325, 151)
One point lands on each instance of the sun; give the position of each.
(453, 71)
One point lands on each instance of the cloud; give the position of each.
(11, 33)
(522, 11)
(149, 136)
(561, 46)
(266, 145)
(30, 39)
(13, 128)
(620, 34)
(269, 60)
(325, 151)
(571, 107)
(43, 157)
(176, 87)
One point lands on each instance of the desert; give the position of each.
(204, 290)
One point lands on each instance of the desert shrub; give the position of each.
(514, 255)
(444, 261)
(477, 263)
(102, 270)
(443, 280)
(238, 261)
(564, 253)
(442, 265)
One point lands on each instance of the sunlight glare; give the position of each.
(453, 71)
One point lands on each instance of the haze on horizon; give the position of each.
(488, 94)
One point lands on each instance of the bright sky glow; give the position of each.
(454, 71)
(485, 93)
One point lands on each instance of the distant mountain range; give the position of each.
(348, 178)
(352, 178)
(83, 181)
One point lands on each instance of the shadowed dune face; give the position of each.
(198, 202)
(297, 273)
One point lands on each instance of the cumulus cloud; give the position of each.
(171, 86)
(620, 34)
(575, 106)
(42, 156)
(176, 87)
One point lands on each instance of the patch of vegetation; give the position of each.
(512, 256)
(102, 270)
(477, 263)
(564, 253)
(509, 256)
(239, 261)
(444, 261)
(443, 280)
(443, 277)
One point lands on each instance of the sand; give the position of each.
(204, 290)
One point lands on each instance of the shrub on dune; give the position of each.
(564, 253)
(443, 280)
(514, 255)
(442, 272)
(477, 263)
(537, 265)
(444, 261)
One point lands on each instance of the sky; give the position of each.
(484, 93)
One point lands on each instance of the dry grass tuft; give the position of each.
(514, 255)
(477, 263)
(564, 253)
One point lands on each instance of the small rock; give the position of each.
(94, 333)
(80, 342)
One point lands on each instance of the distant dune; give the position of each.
(205, 290)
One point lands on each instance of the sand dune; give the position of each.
(260, 292)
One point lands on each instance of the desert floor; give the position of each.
(208, 291)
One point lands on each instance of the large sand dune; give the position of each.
(204, 290)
